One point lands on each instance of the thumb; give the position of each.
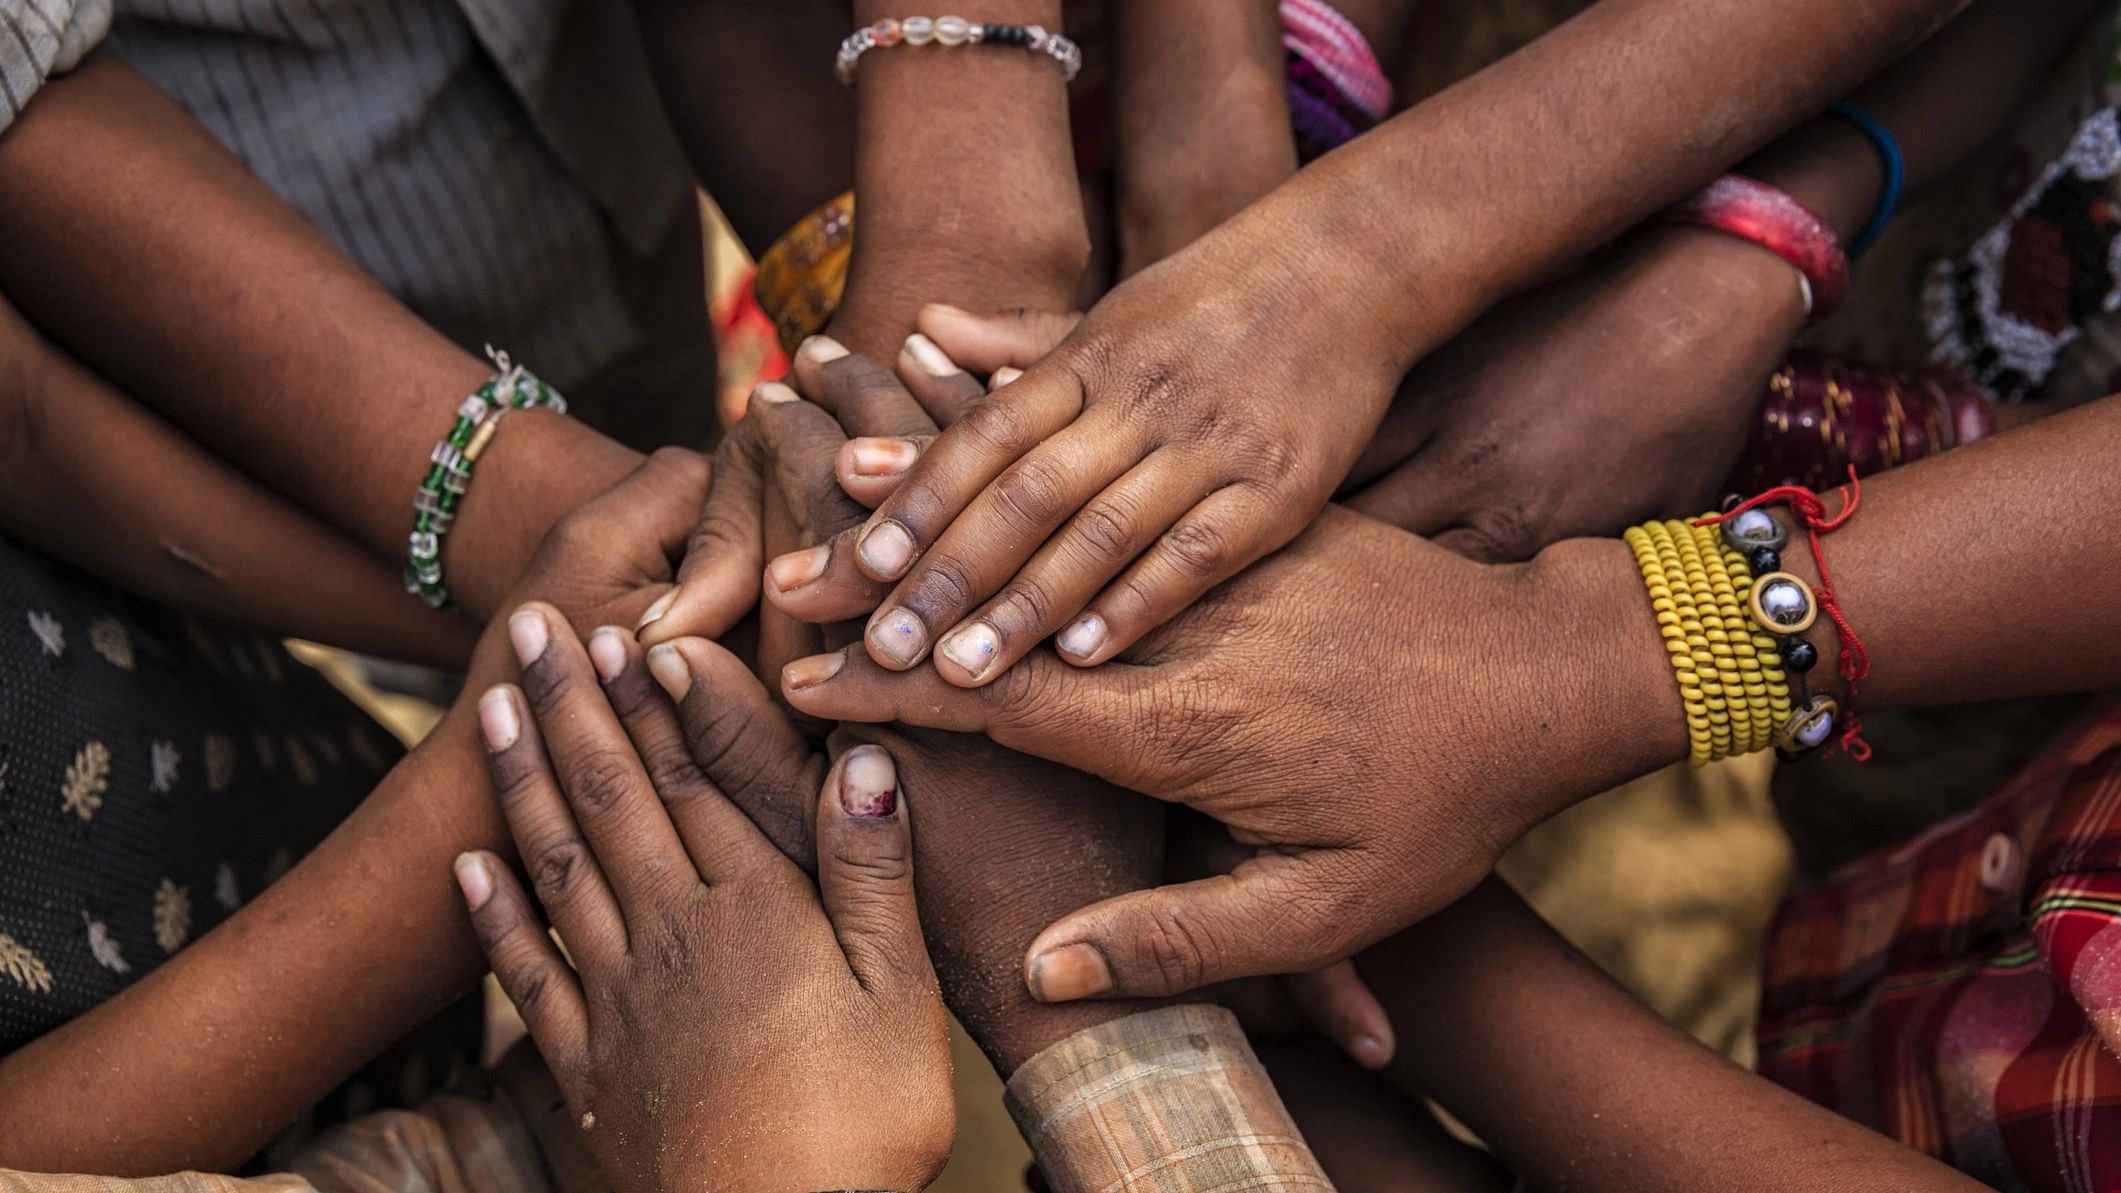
(984, 343)
(1272, 914)
(865, 872)
(1341, 1006)
(718, 581)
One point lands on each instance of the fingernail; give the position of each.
(669, 669)
(931, 359)
(773, 393)
(1003, 376)
(527, 633)
(1083, 638)
(944, 308)
(607, 652)
(474, 879)
(813, 670)
(1368, 1051)
(498, 722)
(655, 611)
(882, 457)
(899, 635)
(868, 783)
(797, 568)
(821, 349)
(1069, 972)
(972, 647)
(887, 549)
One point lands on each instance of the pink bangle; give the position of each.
(1771, 219)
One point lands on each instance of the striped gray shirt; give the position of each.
(502, 166)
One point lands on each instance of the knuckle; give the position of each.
(1198, 550)
(674, 947)
(997, 426)
(1106, 530)
(1027, 605)
(557, 872)
(1033, 493)
(1176, 948)
(1505, 534)
(600, 780)
(874, 864)
(946, 583)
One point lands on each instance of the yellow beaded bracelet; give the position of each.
(1731, 680)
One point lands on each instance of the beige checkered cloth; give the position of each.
(1166, 1101)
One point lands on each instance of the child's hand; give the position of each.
(1193, 422)
(718, 1029)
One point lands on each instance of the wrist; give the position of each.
(893, 276)
(1588, 595)
(540, 466)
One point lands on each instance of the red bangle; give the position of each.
(1771, 219)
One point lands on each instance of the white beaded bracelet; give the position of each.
(955, 31)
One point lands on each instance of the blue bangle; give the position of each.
(1889, 159)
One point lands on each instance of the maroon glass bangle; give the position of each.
(1773, 220)
(1823, 414)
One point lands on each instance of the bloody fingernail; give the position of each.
(898, 636)
(1069, 972)
(655, 611)
(607, 652)
(815, 669)
(797, 568)
(670, 671)
(773, 393)
(821, 349)
(887, 549)
(499, 723)
(972, 647)
(1084, 638)
(868, 783)
(474, 879)
(931, 359)
(881, 457)
(527, 632)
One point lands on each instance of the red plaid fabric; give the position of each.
(1962, 993)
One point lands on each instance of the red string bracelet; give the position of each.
(1855, 660)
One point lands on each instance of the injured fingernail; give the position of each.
(931, 359)
(528, 634)
(1003, 376)
(1368, 1051)
(607, 652)
(797, 568)
(972, 647)
(1069, 972)
(898, 636)
(669, 669)
(1084, 638)
(887, 550)
(868, 783)
(815, 669)
(655, 611)
(821, 349)
(773, 393)
(881, 457)
(498, 721)
(474, 879)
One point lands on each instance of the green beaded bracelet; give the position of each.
(441, 491)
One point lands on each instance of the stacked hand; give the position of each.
(723, 1025)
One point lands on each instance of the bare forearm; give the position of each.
(99, 482)
(1202, 119)
(256, 336)
(204, 1060)
(966, 178)
(1942, 104)
(1575, 1084)
(1499, 179)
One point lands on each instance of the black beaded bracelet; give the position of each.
(1784, 607)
